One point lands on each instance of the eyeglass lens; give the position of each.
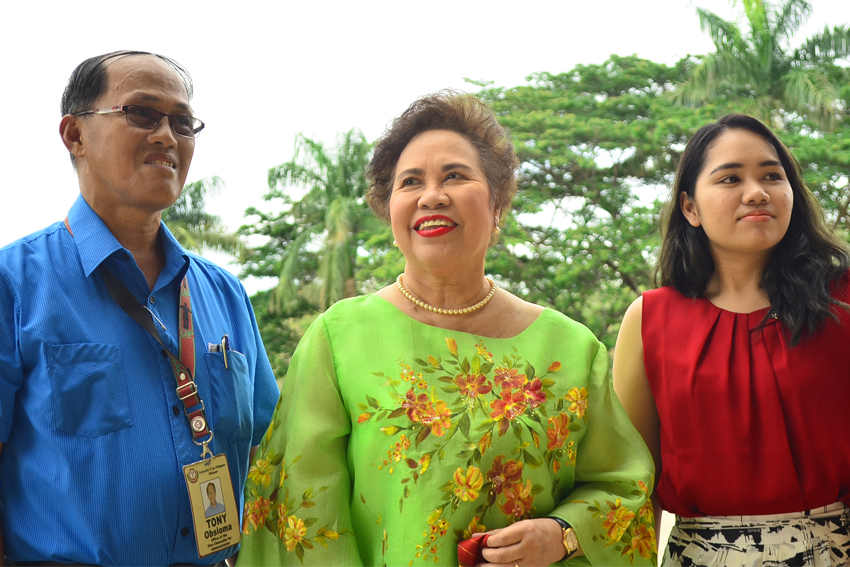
(148, 118)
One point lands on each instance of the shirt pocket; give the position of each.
(232, 395)
(89, 394)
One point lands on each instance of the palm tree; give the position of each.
(193, 227)
(758, 64)
(327, 222)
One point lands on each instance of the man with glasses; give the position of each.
(123, 357)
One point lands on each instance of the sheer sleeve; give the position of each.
(609, 508)
(298, 489)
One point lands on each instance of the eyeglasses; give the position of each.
(148, 118)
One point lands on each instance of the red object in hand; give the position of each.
(469, 550)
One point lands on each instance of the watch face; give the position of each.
(571, 540)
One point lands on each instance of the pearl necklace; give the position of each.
(442, 311)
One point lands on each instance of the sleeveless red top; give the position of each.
(749, 425)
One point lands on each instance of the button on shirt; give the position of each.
(91, 467)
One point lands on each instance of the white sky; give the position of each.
(265, 71)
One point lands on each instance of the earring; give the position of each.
(496, 224)
(395, 243)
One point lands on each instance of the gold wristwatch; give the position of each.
(569, 540)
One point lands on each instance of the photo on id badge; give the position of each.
(214, 510)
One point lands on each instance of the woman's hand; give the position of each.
(529, 542)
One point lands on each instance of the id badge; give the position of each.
(215, 514)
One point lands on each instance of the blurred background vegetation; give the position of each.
(599, 145)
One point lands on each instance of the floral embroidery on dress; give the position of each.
(498, 398)
(629, 532)
(281, 514)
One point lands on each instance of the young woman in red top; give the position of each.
(737, 371)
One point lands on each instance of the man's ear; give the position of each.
(72, 137)
(689, 209)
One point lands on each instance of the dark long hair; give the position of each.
(802, 268)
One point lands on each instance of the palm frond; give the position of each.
(833, 43)
(809, 92)
(334, 270)
(284, 297)
(718, 74)
(790, 17)
(724, 34)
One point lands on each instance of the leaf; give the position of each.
(531, 460)
(307, 544)
(547, 383)
(299, 553)
(536, 438)
(372, 402)
(322, 541)
(390, 430)
(362, 498)
(395, 413)
(476, 365)
(420, 362)
(307, 504)
(447, 379)
(401, 504)
(377, 373)
(463, 425)
(423, 433)
(486, 368)
(295, 460)
(464, 455)
(464, 366)
(362, 406)
(517, 429)
(435, 515)
(330, 534)
(411, 463)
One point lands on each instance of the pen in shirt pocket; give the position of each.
(222, 347)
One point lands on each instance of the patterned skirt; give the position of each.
(811, 538)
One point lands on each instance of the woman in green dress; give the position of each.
(442, 406)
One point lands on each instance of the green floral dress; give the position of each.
(394, 440)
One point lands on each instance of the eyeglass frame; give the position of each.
(123, 108)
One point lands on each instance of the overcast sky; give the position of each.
(265, 71)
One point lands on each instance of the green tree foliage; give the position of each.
(758, 65)
(598, 146)
(313, 241)
(193, 227)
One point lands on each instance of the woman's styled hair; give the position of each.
(802, 267)
(446, 110)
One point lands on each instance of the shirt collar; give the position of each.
(95, 243)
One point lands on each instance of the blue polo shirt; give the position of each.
(95, 438)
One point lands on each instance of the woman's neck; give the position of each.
(735, 284)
